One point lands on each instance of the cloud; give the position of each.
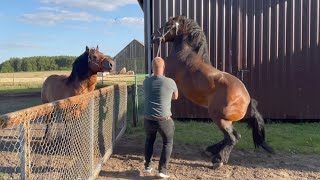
(82, 28)
(55, 9)
(18, 45)
(24, 35)
(136, 22)
(50, 16)
(53, 18)
(103, 5)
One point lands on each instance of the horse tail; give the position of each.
(256, 123)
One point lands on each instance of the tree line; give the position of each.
(37, 63)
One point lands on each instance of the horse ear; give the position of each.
(182, 16)
(87, 49)
(97, 48)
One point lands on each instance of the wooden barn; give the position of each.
(131, 57)
(272, 46)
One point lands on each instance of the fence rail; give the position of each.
(66, 139)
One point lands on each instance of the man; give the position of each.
(159, 91)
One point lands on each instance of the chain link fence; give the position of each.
(66, 139)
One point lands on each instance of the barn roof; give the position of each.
(141, 4)
(134, 40)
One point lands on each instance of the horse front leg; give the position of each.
(221, 151)
(212, 150)
(48, 128)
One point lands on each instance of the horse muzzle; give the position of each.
(158, 40)
(108, 66)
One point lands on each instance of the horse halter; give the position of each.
(163, 34)
(99, 64)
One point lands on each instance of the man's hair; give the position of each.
(157, 63)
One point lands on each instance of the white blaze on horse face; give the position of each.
(177, 28)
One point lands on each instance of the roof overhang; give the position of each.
(141, 4)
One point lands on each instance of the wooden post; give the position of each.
(13, 78)
(102, 77)
(134, 109)
(25, 162)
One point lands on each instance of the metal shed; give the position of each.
(272, 46)
(131, 57)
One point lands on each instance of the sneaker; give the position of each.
(162, 175)
(148, 170)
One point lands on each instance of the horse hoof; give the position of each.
(217, 165)
(207, 153)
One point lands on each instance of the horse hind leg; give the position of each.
(221, 151)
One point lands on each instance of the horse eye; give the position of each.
(95, 57)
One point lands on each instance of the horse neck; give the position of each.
(86, 85)
(200, 48)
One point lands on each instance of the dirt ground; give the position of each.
(189, 162)
(11, 103)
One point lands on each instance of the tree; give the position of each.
(17, 64)
(26, 65)
(6, 67)
(38, 63)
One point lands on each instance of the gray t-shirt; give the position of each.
(158, 94)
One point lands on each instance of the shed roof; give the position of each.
(134, 40)
(141, 4)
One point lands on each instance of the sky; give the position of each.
(66, 27)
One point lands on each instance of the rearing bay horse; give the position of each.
(223, 94)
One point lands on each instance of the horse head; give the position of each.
(172, 28)
(185, 32)
(98, 62)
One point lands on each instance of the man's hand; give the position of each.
(175, 95)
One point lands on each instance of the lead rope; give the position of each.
(158, 52)
(164, 34)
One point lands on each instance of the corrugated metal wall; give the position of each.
(131, 57)
(272, 45)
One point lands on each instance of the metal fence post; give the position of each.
(25, 162)
(92, 136)
(134, 109)
(136, 97)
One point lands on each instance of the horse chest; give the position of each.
(193, 94)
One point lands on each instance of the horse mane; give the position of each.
(80, 68)
(197, 38)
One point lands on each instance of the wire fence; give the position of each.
(66, 139)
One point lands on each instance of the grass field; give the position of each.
(32, 81)
(39, 74)
(25, 81)
(284, 137)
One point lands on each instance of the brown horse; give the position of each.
(223, 94)
(83, 79)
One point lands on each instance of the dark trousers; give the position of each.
(166, 130)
